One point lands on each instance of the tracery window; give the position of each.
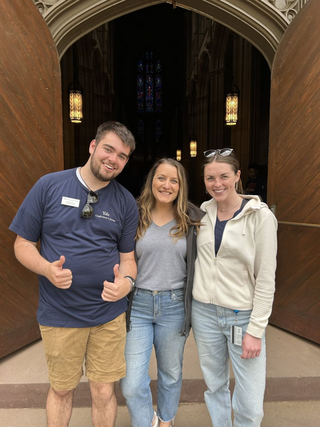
(149, 96)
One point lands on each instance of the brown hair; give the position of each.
(120, 130)
(231, 160)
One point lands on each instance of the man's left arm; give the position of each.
(114, 291)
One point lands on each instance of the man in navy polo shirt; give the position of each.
(86, 224)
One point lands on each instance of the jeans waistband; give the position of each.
(149, 292)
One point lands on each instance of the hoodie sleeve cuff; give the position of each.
(255, 331)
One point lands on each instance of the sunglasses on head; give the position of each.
(221, 151)
(87, 210)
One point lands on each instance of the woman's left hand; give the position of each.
(251, 347)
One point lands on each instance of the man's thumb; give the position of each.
(61, 261)
(116, 271)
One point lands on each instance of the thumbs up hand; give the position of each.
(59, 276)
(114, 291)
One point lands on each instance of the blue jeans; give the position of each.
(156, 319)
(211, 329)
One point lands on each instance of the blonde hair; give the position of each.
(146, 202)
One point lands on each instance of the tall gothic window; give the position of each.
(149, 97)
(140, 87)
(149, 82)
(158, 94)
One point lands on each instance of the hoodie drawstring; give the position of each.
(244, 225)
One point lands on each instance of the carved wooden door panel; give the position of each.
(31, 145)
(294, 174)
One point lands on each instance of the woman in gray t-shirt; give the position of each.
(158, 307)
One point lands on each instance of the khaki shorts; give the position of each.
(101, 347)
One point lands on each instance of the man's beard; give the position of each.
(95, 169)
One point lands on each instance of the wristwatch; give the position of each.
(132, 281)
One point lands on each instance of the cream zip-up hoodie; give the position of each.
(242, 275)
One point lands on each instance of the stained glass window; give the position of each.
(140, 66)
(140, 87)
(149, 95)
(158, 106)
(158, 88)
(158, 129)
(149, 82)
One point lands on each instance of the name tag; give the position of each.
(68, 201)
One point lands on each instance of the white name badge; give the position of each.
(68, 201)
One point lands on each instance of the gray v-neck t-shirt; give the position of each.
(161, 259)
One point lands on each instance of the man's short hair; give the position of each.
(120, 130)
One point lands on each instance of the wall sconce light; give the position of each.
(178, 155)
(232, 103)
(75, 103)
(193, 147)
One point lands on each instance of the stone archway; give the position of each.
(261, 23)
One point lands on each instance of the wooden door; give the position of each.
(294, 174)
(31, 145)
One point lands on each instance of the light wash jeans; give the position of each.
(211, 329)
(156, 319)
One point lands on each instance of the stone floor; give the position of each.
(292, 394)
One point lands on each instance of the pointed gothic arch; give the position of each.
(261, 23)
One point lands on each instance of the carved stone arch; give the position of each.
(259, 22)
(218, 48)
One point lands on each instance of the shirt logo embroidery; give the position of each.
(105, 215)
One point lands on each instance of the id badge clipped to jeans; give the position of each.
(236, 332)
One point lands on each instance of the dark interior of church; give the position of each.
(200, 62)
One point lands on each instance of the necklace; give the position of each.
(84, 180)
(227, 210)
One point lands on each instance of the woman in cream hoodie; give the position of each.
(233, 292)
